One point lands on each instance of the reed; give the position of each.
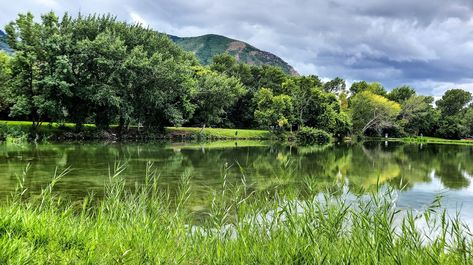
(149, 224)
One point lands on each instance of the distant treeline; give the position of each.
(95, 69)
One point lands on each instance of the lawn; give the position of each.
(48, 125)
(217, 144)
(424, 139)
(174, 132)
(435, 140)
(220, 133)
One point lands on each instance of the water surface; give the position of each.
(422, 170)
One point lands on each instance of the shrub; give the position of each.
(451, 128)
(13, 133)
(308, 135)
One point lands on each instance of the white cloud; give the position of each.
(136, 18)
(437, 89)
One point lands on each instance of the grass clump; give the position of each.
(149, 224)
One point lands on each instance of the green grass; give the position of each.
(151, 225)
(207, 133)
(44, 125)
(218, 144)
(219, 133)
(431, 140)
(423, 140)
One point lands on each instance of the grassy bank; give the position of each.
(219, 133)
(432, 140)
(21, 129)
(218, 144)
(239, 226)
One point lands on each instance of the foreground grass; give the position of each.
(149, 226)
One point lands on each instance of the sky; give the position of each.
(427, 44)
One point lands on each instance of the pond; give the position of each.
(423, 171)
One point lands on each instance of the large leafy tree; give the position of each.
(417, 115)
(160, 89)
(5, 75)
(325, 112)
(39, 68)
(451, 127)
(401, 94)
(270, 77)
(100, 81)
(240, 114)
(300, 89)
(361, 86)
(372, 112)
(336, 86)
(453, 107)
(453, 101)
(273, 111)
(358, 87)
(97, 69)
(322, 111)
(214, 97)
(468, 119)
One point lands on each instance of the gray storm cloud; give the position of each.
(425, 43)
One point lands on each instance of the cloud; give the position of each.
(136, 18)
(423, 43)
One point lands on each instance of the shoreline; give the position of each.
(423, 140)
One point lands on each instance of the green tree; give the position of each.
(273, 111)
(161, 89)
(453, 108)
(469, 120)
(401, 94)
(336, 85)
(361, 86)
(240, 114)
(300, 89)
(418, 115)
(5, 75)
(322, 111)
(377, 88)
(224, 63)
(101, 81)
(358, 87)
(214, 97)
(372, 112)
(451, 127)
(271, 77)
(39, 85)
(94, 68)
(453, 101)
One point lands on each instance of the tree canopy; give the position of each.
(373, 112)
(96, 69)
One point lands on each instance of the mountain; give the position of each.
(207, 46)
(3, 42)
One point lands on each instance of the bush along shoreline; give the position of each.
(148, 225)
